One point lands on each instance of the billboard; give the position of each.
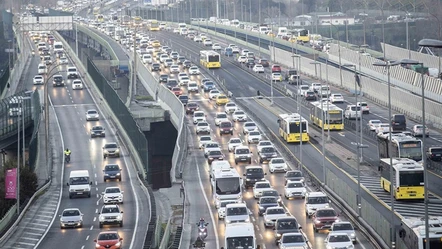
(11, 184)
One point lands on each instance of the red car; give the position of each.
(324, 218)
(108, 240)
(177, 91)
(276, 68)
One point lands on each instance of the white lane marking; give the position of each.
(87, 238)
(82, 247)
(96, 211)
(95, 219)
(92, 227)
(34, 234)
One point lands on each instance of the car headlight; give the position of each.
(97, 245)
(118, 174)
(352, 235)
(327, 206)
(247, 220)
(278, 235)
(350, 247)
(106, 174)
(119, 217)
(268, 220)
(210, 158)
(118, 244)
(228, 221)
(317, 221)
(101, 218)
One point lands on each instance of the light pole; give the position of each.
(298, 104)
(19, 118)
(387, 65)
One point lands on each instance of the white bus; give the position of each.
(226, 185)
(239, 235)
(412, 232)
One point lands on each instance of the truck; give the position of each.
(239, 235)
(412, 232)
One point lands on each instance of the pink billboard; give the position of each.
(11, 184)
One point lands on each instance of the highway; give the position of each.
(70, 108)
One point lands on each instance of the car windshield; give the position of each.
(287, 224)
(91, 112)
(110, 210)
(268, 150)
(112, 190)
(268, 200)
(212, 145)
(344, 226)
(239, 113)
(275, 211)
(222, 97)
(235, 141)
(215, 153)
(221, 116)
(325, 213)
(254, 170)
(205, 138)
(278, 160)
(112, 167)
(295, 185)
(71, 213)
(193, 105)
(108, 236)
(249, 125)
(202, 124)
(110, 146)
(338, 238)
(270, 193)
(225, 203)
(317, 200)
(242, 151)
(263, 185)
(293, 239)
(254, 133)
(78, 180)
(265, 143)
(294, 174)
(198, 114)
(97, 128)
(236, 211)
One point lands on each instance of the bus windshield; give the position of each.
(335, 118)
(240, 242)
(213, 58)
(294, 127)
(228, 186)
(412, 150)
(411, 178)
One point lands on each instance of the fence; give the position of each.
(11, 117)
(33, 143)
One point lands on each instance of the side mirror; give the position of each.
(257, 202)
(95, 240)
(121, 212)
(67, 183)
(122, 192)
(121, 239)
(258, 247)
(244, 174)
(102, 193)
(207, 224)
(90, 183)
(197, 223)
(265, 174)
(274, 228)
(300, 227)
(59, 215)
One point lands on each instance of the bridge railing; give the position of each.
(10, 120)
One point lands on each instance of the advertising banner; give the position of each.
(11, 184)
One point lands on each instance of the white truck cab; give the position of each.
(79, 183)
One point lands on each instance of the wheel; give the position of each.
(315, 229)
(104, 179)
(70, 196)
(231, 133)
(271, 171)
(236, 163)
(101, 225)
(250, 161)
(260, 160)
(121, 224)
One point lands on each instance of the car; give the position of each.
(207, 42)
(213, 155)
(209, 147)
(254, 137)
(191, 107)
(315, 201)
(221, 99)
(230, 107)
(203, 140)
(373, 124)
(259, 187)
(266, 153)
(111, 171)
(292, 240)
(155, 67)
(98, 131)
(235, 49)
(156, 44)
(184, 80)
(276, 76)
(272, 192)
(199, 116)
(315, 87)
(77, 84)
(171, 83)
(272, 214)
(63, 60)
(434, 153)
(214, 93)
(57, 80)
(71, 217)
(187, 64)
(163, 78)
(174, 55)
(263, 143)
(216, 46)
(147, 59)
(192, 86)
(174, 69)
(294, 189)
(92, 114)
(310, 95)
(258, 68)
(111, 149)
(194, 70)
(202, 127)
(323, 218)
(38, 80)
(352, 112)
(108, 240)
(163, 57)
(276, 68)
(220, 117)
(382, 127)
(338, 240)
(266, 202)
(225, 127)
(248, 127)
(110, 214)
(277, 164)
(113, 195)
(222, 207)
(336, 98)
(344, 227)
(245, 52)
(242, 59)
(233, 143)
(418, 131)
(177, 91)
(239, 116)
(294, 175)
(242, 154)
(250, 63)
(181, 60)
(364, 106)
(264, 62)
(150, 49)
(176, 31)
(198, 39)
(208, 86)
(169, 63)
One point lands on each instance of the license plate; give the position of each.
(112, 177)
(79, 193)
(412, 194)
(437, 154)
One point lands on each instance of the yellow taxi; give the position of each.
(156, 44)
(222, 99)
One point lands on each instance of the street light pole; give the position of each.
(298, 104)
(19, 117)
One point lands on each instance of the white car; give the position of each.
(92, 115)
(239, 116)
(147, 59)
(263, 143)
(315, 87)
(254, 137)
(364, 107)
(182, 74)
(214, 93)
(242, 59)
(193, 70)
(272, 214)
(203, 140)
(63, 60)
(113, 195)
(202, 127)
(111, 215)
(248, 127)
(258, 68)
(222, 207)
(338, 240)
(234, 142)
(383, 127)
(235, 49)
(336, 98)
(192, 86)
(277, 164)
(294, 189)
(373, 124)
(276, 76)
(163, 58)
(198, 39)
(150, 49)
(176, 31)
(210, 146)
(77, 85)
(199, 116)
(245, 52)
(344, 227)
(184, 80)
(38, 80)
(230, 107)
(259, 187)
(220, 117)
(207, 42)
(293, 240)
(174, 69)
(216, 46)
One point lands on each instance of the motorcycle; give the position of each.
(202, 230)
(67, 158)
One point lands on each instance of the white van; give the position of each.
(42, 69)
(352, 111)
(72, 73)
(58, 47)
(41, 45)
(236, 213)
(325, 91)
(219, 165)
(79, 183)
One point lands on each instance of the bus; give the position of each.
(239, 235)
(226, 185)
(301, 35)
(96, 11)
(154, 25)
(408, 178)
(210, 59)
(318, 115)
(402, 146)
(412, 232)
(290, 128)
